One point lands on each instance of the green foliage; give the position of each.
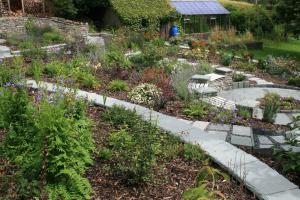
(294, 81)
(271, 107)
(245, 65)
(35, 53)
(196, 109)
(287, 12)
(50, 143)
(255, 19)
(289, 160)
(238, 77)
(153, 52)
(51, 37)
(193, 152)
(282, 66)
(115, 58)
(227, 59)
(135, 146)
(199, 193)
(118, 85)
(76, 70)
(142, 14)
(182, 75)
(105, 154)
(245, 113)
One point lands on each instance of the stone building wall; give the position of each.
(16, 25)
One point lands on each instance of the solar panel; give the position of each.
(199, 7)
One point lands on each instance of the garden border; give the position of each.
(266, 183)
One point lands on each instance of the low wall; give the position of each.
(16, 25)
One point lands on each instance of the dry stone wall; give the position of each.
(16, 25)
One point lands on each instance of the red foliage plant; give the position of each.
(160, 79)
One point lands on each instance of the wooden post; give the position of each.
(23, 8)
(8, 3)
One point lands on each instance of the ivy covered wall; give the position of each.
(141, 14)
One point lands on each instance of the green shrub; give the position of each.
(105, 154)
(51, 144)
(135, 146)
(147, 94)
(53, 36)
(118, 85)
(193, 152)
(152, 54)
(245, 113)
(238, 77)
(294, 81)
(115, 58)
(247, 66)
(53, 69)
(199, 193)
(196, 109)
(290, 161)
(120, 117)
(226, 60)
(281, 66)
(271, 107)
(35, 54)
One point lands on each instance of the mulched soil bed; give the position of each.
(170, 181)
(268, 158)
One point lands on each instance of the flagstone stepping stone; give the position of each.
(295, 149)
(242, 131)
(223, 70)
(205, 91)
(282, 119)
(241, 140)
(207, 77)
(278, 139)
(264, 142)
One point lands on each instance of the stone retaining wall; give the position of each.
(16, 25)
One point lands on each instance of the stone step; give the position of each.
(4, 50)
(221, 102)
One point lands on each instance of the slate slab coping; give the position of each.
(262, 179)
(286, 195)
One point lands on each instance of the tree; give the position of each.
(288, 13)
(72, 9)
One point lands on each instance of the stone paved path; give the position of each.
(266, 183)
(248, 96)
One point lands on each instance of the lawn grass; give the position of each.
(290, 47)
(238, 4)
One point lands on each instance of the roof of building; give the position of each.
(199, 7)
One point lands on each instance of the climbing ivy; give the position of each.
(142, 14)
